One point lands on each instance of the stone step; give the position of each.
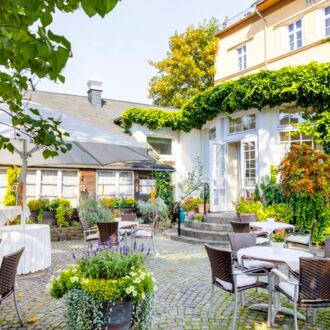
(220, 218)
(204, 234)
(219, 227)
(173, 235)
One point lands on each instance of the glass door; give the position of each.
(217, 180)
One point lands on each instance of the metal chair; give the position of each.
(301, 236)
(7, 278)
(225, 277)
(244, 227)
(90, 233)
(108, 232)
(327, 248)
(147, 231)
(311, 290)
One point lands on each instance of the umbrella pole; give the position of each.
(24, 156)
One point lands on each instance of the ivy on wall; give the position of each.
(306, 85)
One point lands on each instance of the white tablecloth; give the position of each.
(10, 212)
(35, 239)
(269, 227)
(288, 256)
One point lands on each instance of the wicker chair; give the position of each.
(311, 290)
(244, 227)
(108, 232)
(301, 236)
(248, 217)
(90, 233)
(327, 248)
(7, 278)
(225, 277)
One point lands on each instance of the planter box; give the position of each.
(66, 234)
(201, 208)
(117, 315)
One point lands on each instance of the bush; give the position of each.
(13, 174)
(93, 212)
(147, 209)
(243, 206)
(117, 202)
(191, 204)
(35, 205)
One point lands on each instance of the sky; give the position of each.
(116, 49)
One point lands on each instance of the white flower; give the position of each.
(137, 280)
(142, 276)
(134, 293)
(143, 296)
(74, 279)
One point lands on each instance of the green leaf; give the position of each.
(29, 51)
(89, 7)
(46, 18)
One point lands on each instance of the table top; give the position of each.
(266, 253)
(32, 227)
(127, 224)
(271, 226)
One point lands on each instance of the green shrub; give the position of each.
(147, 209)
(117, 202)
(198, 217)
(13, 174)
(191, 204)
(35, 205)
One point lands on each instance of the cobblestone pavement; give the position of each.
(183, 279)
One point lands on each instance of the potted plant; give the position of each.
(200, 204)
(107, 288)
(277, 242)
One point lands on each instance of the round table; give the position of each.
(11, 212)
(36, 240)
(269, 227)
(289, 257)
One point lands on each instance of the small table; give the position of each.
(11, 212)
(128, 225)
(36, 240)
(269, 227)
(288, 256)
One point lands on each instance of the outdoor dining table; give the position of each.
(290, 257)
(128, 225)
(270, 227)
(36, 241)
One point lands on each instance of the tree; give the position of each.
(188, 67)
(29, 49)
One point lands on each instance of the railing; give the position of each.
(176, 213)
(231, 21)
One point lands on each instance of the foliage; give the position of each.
(318, 127)
(191, 204)
(188, 67)
(147, 209)
(277, 238)
(142, 313)
(63, 210)
(13, 174)
(256, 195)
(272, 192)
(117, 202)
(82, 311)
(192, 178)
(243, 206)
(93, 212)
(28, 49)
(305, 85)
(281, 212)
(35, 205)
(164, 186)
(305, 178)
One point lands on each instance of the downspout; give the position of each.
(265, 37)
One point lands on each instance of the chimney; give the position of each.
(95, 92)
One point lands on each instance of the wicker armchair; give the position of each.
(7, 278)
(108, 232)
(244, 227)
(90, 233)
(301, 236)
(311, 290)
(225, 277)
(327, 248)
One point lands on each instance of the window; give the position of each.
(327, 21)
(290, 117)
(70, 186)
(287, 140)
(49, 184)
(31, 184)
(295, 35)
(161, 145)
(146, 186)
(3, 184)
(249, 149)
(115, 183)
(241, 124)
(242, 58)
(212, 134)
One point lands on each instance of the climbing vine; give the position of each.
(306, 85)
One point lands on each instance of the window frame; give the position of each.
(327, 19)
(161, 138)
(294, 33)
(242, 124)
(242, 58)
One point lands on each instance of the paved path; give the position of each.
(183, 279)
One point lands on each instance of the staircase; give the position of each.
(212, 230)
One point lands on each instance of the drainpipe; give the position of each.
(265, 36)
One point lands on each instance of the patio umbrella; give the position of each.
(91, 146)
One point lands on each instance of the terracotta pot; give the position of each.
(201, 208)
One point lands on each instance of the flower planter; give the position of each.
(201, 208)
(277, 246)
(117, 315)
(48, 218)
(127, 210)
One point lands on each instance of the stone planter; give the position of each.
(34, 216)
(127, 210)
(48, 218)
(201, 208)
(117, 315)
(66, 234)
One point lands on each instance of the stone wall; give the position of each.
(66, 234)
